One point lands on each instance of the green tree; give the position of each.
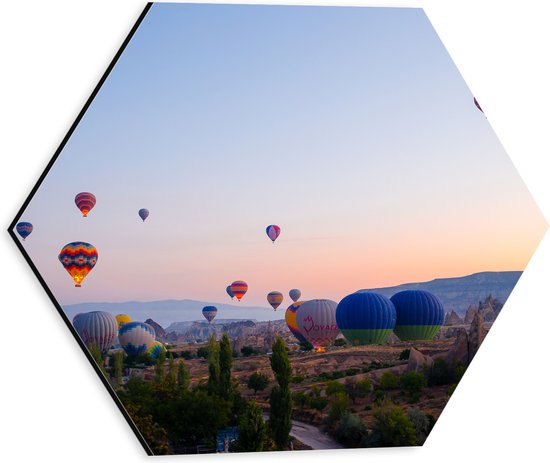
(257, 382)
(280, 400)
(247, 351)
(184, 378)
(393, 426)
(97, 356)
(350, 430)
(339, 405)
(159, 368)
(252, 429)
(213, 365)
(202, 352)
(334, 387)
(154, 435)
(226, 363)
(306, 346)
(171, 377)
(422, 424)
(413, 383)
(119, 361)
(358, 389)
(389, 380)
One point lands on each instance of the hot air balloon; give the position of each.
(85, 202)
(290, 318)
(365, 318)
(294, 294)
(136, 337)
(79, 259)
(275, 298)
(229, 291)
(96, 327)
(316, 320)
(143, 213)
(477, 104)
(154, 351)
(24, 229)
(273, 231)
(420, 314)
(122, 318)
(239, 289)
(209, 312)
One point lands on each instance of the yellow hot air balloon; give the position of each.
(122, 319)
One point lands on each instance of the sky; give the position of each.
(350, 128)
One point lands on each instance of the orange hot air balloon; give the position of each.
(275, 298)
(85, 202)
(79, 259)
(239, 289)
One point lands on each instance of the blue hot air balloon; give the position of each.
(229, 291)
(295, 294)
(24, 229)
(365, 318)
(420, 314)
(143, 213)
(136, 337)
(98, 327)
(209, 312)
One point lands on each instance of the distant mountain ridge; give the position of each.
(459, 293)
(170, 311)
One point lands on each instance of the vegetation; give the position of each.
(392, 428)
(306, 346)
(404, 355)
(202, 352)
(441, 373)
(350, 430)
(247, 351)
(252, 430)
(118, 364)
(413, 383)
(213, 384)
(280, 400)
(226, 363)
(339, 406)
(358, 389)
(340, 342)
(95, 352)
(183, 375)
(334, 387)
(388, 380)
(257, 382)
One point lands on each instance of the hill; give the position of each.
(170, 311)
(459, 293)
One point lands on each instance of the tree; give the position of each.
(306, 346)
(358, 389)
(184, 378)
(280, 400)
(339, 405)
(421, 422)
(154, 435)
(226, 363)
(252, 429)
(202, 352)
(119, 361)
(394, 426)
(97, 356)
(257, 381)
(413, 383)
(159, 368)
(213, 366)
(334, 387)
(247, 351)
(350, 430)
(388, 380)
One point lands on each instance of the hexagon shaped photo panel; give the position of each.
(279, 228)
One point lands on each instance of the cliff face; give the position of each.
(462, 292)
(160, 334)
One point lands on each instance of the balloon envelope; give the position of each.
(143, 213)
(275, 298)
(98, 327)
(294, 294)
(316, 321)
(365, 318)
(229, 291)
(154, 351)
(85, 202)
(122, 318)
(290, 319)
(24, 229)
(209, 312)
(273, 231)
(239, 289)
(78, 258)
(136, 337)
(420, 314)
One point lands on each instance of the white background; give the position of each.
(52, 403)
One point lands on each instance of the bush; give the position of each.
(392, 427)
(339, 405)
(388, 380)
(186, 354)
(202, 352)
(440, 373)
(358, 389)
(306, 346)
(247, 351)
(413, 383)
(350, 430)
(298, 379)
(257, 382)
(318, 403)
(421, 423)
(351, 371)
(404, 355)
(334, 387)
(340, 342)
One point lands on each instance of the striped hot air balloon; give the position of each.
(143, 213)
(209, 312)
(365, 318)
(420, 314)
(122, 318)
(239, 289)
(78, 258)
(275, 298)
(24, 229)
(136, 337)
(154, 351)
(290, 319)
(96, 327)
(295, 294)
(273, 231)
(85, 202)
(316, 320)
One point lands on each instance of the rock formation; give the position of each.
(417, 361)
(467, 342)
(452, 318)
(160, 334)
(470, 313)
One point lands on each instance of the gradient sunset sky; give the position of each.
(350, 128)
